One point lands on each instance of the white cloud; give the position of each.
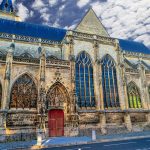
(23, 12)
(52, 2)
(38, 4)
(82, 3)
(125, 18)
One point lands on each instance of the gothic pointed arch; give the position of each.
(24, 93)
(109, 83)
(0, 95)
(84, 80)
(134, 96)
(58, 97)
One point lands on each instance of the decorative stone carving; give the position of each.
(24, 93)
(58, 98)
(58, 77)
(88, 118)
(21, 119)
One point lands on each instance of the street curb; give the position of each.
(97, 141)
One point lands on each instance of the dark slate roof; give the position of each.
(7, 6)
(32, 30)
(133, 46)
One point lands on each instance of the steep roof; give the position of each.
(91, 24)
(32, 30)
(133, 46)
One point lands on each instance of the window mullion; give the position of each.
(110, 96)
(84, 86)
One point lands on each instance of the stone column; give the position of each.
(6, 92)
(101, 87)
(96, 73)
(148, 118)
(72, 119)
(127, 120)
(102, 115)
(68, 45)
(143, 90)
(2, 125)
(41, 105)
(120, 77)
(103, 123)
(8, 70)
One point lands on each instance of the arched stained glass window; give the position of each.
(109, 82)
(84, 81)
(0, 95)
(134, 96)
(24, 93)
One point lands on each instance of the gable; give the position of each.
(92, 25)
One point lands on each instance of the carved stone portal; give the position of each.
(57, 97)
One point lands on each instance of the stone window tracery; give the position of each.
(24, 93)
(134, 96)
(57, 97)
(109, 83)
(0, 95)
(84, 81)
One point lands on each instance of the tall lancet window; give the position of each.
(109, 82)
(0, 95)
(134, 96)
(84, 81)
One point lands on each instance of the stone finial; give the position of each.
(11, 48)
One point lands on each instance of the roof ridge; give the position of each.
(33, 24)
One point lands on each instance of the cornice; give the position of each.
(27, 39)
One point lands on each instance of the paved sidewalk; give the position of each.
(123, 136)
(66, 141)
(61, 141)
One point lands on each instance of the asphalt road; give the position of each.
(138, 144)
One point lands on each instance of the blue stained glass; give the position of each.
(109, 81)
(86, 87)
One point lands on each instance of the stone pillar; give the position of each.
(120, 76)
(101, 87)
(8, 70)
(96, 73)
(148, 118)
(73, 119)
(42, 96)
(103, 123)
(68, 45)
(128, 122)
(3, 125)
(143, 89)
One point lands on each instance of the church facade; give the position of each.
(69, 82)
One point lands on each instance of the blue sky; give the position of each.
(126, 19)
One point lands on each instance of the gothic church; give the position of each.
(68, 82)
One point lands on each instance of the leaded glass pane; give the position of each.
(109, 83)
(134, 96)
(24, 93)
(84, 81)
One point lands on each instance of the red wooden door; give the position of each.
(56, 123)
